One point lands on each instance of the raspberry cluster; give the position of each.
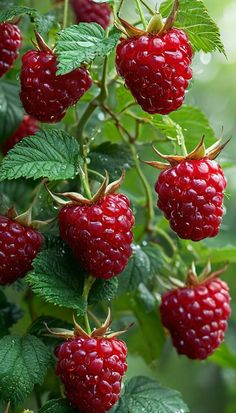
(91, 370)
(28, 126)
(88, 11)
(10, 43)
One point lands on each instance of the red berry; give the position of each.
(44, 95)
(91, 370)
(89, 11)
(19, 245)
(191, 196)
(29, 126)
(99, 235)
(10, 43)
(196, 317)
(156, 69)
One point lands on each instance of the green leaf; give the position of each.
(9, 315)
(203, 253)
(142, 394)
(52, 154)
(189, 121)
(156, 257)
(57, 278)
(224, 357)
(11, 112)
(57, 406)
(110, 157)
(24, 362)
(201, 29)
(137, 271)
(103, 290)
(82, 43)
(16, 11)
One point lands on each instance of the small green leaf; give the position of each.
(201, 29)
(24, 362)
(82, 43)
(11, 112)
(110, 157)
(57, 406)
(224, 357)
(142, 394)
(16, 11)
(103, 290)
(156, 258)
(57, 278)
(52, 154)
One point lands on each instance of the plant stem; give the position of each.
(151, 11)
(104, 92)
(85, 181)
(65, 15)
(141, 14)
(87, 287)
(168, 239)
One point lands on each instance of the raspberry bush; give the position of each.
(87, 90)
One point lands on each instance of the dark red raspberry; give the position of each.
(100, 235)
(91, 370)
(44, 95)
(89, 11)
(191, 196)
(196, 317)
(156, 69)
(29, 126)
(19, 245)
(10, 43)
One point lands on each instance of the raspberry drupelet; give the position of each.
(10, 43)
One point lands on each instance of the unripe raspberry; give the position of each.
(19, 245)
(156, 69)
(10, 43)
(88, 11)
(44, 95)
(100, 235)
(29, 126)
(196, 317)
(91, 370)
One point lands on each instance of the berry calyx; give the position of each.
(91, 368)
(156, 64)
(196, 315)
(10, 43)
(88, 11)
(19, 245)
(28, 126)
(191, 191)
(44, 95)
(99, 231)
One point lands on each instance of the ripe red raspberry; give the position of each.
(89, 11)
(156, 69)
(91, 370)
(100, 235)
(196, 317)
(191, 196)
(44, 95)
(19, 245)
(29, 126)
(10, 43)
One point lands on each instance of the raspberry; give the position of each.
(44, 95)
(99, 235)
(191, 197)
(89, 11)
(10, 43)
(156, 69)
(29, 126)
(91, 370)
(19, 245)
(196, 317)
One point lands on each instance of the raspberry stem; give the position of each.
(89, 281)
(151, 11)
(141, 14)
(65, 15)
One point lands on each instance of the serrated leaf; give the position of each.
(142, 394)
(110, 157)
(11, 112)
(52, 154)
(82, 43)
(44, 23)
(57, 278)
(16, 11)
(201, 29)
(57, 406)
(138, 270)
(103, 290)
(24, 362)
(156, 257)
